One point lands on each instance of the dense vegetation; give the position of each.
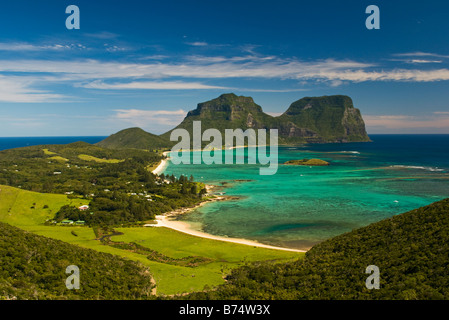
(411, 251)
(33, 267)
(118, 183)
(323, 119)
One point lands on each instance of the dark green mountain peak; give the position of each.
(323, 119)
(307, 103)
(310, 119)
(134, 138)
(226, 107)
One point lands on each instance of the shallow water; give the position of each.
(300, 205)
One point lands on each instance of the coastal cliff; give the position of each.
(323, 119)
(308, 120)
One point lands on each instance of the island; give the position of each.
(307, 162)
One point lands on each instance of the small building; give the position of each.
(67, 222)
(80, 222)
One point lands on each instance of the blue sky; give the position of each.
(147, 63)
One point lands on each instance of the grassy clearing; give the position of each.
(174, 279)
(27, 210)
(59, 158)
(92, 158)
(48, 152)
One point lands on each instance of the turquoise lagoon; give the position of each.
(300, 206)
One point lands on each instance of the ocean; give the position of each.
(18, 142)
(300, 206)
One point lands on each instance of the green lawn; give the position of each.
(26, 210)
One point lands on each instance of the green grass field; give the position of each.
(92, 158)
(225, 255)
(26, 210)
(23, 208)
(48, 152)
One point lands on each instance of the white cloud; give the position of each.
(425, 61)
(416, 61)
(152, 85)
(329, 70)
(420, 54)
(432, 121)
(270, 90)
(16, 89)
(20, 46)
(198, 44)
(150, 118)
(114, 48)
(183, 75)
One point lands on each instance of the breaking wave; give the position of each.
(433, 169)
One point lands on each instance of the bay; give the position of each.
(300, 206)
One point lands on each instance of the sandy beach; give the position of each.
(162, 165)
(167, 221)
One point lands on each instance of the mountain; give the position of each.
(135, 138)
(323, 119)
(228, 111)
(310, 119)
(410, 250)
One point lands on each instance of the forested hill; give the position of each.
(135, 138)
(411, 251)
(33, 267)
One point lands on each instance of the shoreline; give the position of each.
(162, 165)
(166, 221)
(184, 227)
(180, 226)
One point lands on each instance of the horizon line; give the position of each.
(101, 136)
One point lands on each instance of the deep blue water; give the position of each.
(18, 142)
(414, 150)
